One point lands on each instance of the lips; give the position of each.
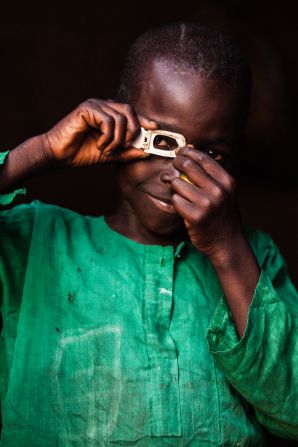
(162, 199)
(163, 203)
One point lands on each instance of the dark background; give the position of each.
(55, 55)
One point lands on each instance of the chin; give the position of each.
(169, 229)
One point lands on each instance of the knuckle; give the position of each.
(187, 163)
(83, 107)
(231, 183)
(184, 150)
(202, 156)
(122, 119)
(128, 108)
(206, 202)
(87, 105)
(217, 193)
(196, 216)
(89, 102)
(109, 120)
(114, 114)
(187, 151)
(175, 199)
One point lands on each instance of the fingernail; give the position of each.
(144, 155)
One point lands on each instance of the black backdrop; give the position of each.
(55, 55)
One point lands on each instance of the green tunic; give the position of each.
(108, 342)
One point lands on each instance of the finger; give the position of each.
(134, 120)
(193, 171)
(147, 123)
(120, 128)
(212, 167)
(183, 208)
(128, 155)
(98, 119)
(185, 189)
(201, 184)
(195, 196)
(107, 135)
(192, 213)
(133, 124)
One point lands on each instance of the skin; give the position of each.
(205, 112)
(157, 206)
(93, 133)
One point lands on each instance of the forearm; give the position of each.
(262, 365)
(28, 160)
(238, 272)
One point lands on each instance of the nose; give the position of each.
(168, 173)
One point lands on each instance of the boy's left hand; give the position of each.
(208, 204)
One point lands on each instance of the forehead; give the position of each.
(187, 102)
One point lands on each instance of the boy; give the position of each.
(105, 319)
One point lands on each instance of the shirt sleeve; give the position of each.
(263, 365)
(6, 199)
(16, 226)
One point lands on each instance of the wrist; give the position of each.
(25, 162)
(34, 157)
(47, 158)
(229, 254)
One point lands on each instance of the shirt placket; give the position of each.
(163, 380)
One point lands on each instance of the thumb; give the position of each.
(147, 123)
(128, 155)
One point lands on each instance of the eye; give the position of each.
(165, 143)
(214, 154)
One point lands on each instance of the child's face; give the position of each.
(206, 112)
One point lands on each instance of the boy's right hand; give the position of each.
(97, 131)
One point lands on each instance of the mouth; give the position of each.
(163, 204)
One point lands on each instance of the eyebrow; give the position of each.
(172, 128)
(220, 141)
(169, 127)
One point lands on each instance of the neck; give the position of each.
(126, 222)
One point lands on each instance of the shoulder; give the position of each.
(21, 220)
(265, 249)
(28, 211)
(259, 240)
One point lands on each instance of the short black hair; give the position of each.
(193, 46)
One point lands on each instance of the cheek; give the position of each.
(129, 177)
(124, 183)
(132, 174)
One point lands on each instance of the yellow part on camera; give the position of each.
(183, 176)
